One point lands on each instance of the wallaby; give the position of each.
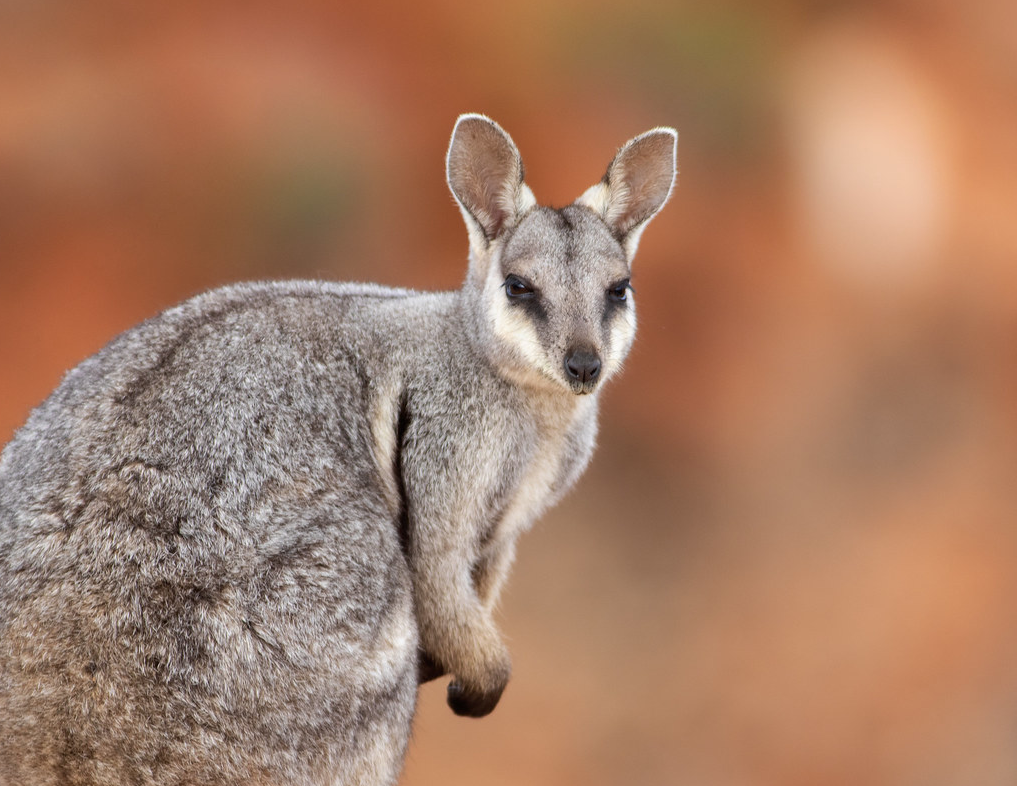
(235, 540)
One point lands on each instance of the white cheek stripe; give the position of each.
(517, 332)
(512, 329)
(623, 331)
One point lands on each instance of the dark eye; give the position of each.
(619, 292)
(517, 288)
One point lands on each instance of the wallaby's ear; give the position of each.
(485, 173)
(636, 186)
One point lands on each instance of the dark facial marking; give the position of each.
(521, 294)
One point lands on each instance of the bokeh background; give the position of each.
(794, 558)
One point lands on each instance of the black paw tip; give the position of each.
(471, 704)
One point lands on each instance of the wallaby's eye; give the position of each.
(619, 292)
(518, 289)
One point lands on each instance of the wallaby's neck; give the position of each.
(474, 314)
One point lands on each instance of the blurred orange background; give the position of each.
(794, 558)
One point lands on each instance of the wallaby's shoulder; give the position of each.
(269, 370)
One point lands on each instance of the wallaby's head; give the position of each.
(548, 289)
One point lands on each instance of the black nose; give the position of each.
(582, 366)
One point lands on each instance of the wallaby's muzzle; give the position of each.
(582, 367)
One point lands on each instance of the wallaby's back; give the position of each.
(194, 542)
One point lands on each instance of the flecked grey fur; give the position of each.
(234, 541)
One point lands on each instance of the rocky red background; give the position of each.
(794, 558)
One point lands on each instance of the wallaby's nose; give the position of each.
(582, 366)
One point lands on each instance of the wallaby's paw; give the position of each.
(473, 703)
(476, 698)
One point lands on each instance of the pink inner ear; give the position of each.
(645, 171)
(483, 169)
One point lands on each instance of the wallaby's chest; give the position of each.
(554, 461)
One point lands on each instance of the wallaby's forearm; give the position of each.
(456, 629)
(491, 571)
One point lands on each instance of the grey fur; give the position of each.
(234, 540)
